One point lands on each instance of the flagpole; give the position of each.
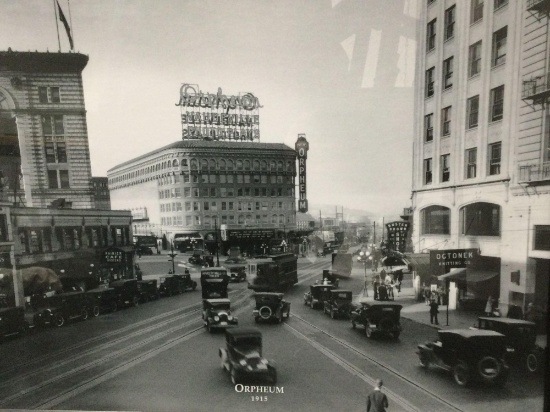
(56, 25)
(71, 20)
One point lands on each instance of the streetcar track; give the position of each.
(370, 359)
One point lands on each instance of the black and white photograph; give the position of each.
(274, 205)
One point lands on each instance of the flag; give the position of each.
(66, 24)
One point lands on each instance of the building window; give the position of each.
(446, 121)
(445, 170)
(435, 220)
(48, 94)
(430, 35)
(448, 73)
(471, 163)
(546, 147)
(428, 127)
(427, 171)
(500, 3)
(64, 179)
(474, 59)
(58, 179)
(430, 82)
(53, 125)
(450, 16)
(56, 152)
(472, 111)
(480, 219)
(477, 10)
(542, 237)
(497, 103)
(494, 158)
(499, 46)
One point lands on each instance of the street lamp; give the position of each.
(364, 257)
(172, 255)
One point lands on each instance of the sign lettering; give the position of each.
(302, 147)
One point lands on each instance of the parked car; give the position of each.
(143, 250)
(270, 306)
(338, 303)
(317, 295)
(242, 356)
(379, 319)
(201, 257)
(470, 355)
(12, 320)
(169, 286)
(57, 309)
(520, 340)
(127, 292)
(216, 314)
(148, 290)
(331, 277)
(186, 282)
(101, 300)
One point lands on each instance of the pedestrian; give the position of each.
(427, 295)
(434, 310)
(489, 306)
(377, 401)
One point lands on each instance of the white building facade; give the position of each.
(481, 160)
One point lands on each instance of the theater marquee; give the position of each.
(302, 147)
(208, 116)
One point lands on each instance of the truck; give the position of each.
(273, 273)
(214, 283)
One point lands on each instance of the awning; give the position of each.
(469, 275)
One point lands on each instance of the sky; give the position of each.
(340, 71)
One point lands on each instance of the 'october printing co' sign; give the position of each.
(302, 146)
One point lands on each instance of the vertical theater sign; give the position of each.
(208, 116)
(302, 146)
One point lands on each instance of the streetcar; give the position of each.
(274, 273)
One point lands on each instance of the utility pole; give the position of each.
(217, 245)
(374, 233)
(172, 256)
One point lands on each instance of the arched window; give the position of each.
(230, 165)
(256, 165)
(289, 166)
(264, 165)
(194, 164)
(480, 219)
(435, 220)
(281, 219)
(247, 165)
(212, 164)
(249, 220)
(204, 164)
(175, 163)
(222, 164)
(274, 219)
(279, 166)
(241, 220)
(239, 165)
(272, 166)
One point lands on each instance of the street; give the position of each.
(159, 357)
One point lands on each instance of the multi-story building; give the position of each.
(191, 187)
(100, 187)
(481, 146)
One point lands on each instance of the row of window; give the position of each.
(494, 156)
(213, 179)
(208, 222)
(213, 206)
(496, 113)
(209, 165)
(40, 239)
(476, 219)
(176, 192)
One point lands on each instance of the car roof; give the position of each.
(382, 304)
(217, 300)
(323, 286)
(341, 291)
(260, 294)
(508, 321)
(214, 269)
(243, 332)
(470, 333)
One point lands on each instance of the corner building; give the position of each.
(481, 152)
(190, 187)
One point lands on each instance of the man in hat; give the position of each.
(377, 401)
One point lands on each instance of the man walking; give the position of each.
(377, 401)
(434, 310)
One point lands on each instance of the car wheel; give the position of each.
(532, 362)
(135, 301)
(59, 320)
(95, 311)
(84, 314)
(368, 332)
(461, 373)
(353, 324)
(489, 367)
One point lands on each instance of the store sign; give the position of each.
(113, 256)
(302, 147)
(397, 235)
(442, 260)
(250, 234)
(208, 116)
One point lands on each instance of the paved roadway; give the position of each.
(158, 357)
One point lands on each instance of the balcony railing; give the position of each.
(538, 5)
(534, 173)
(537, 88)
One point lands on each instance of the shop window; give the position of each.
(480, 219)
(435, 220)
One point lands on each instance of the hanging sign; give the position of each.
(302, 147)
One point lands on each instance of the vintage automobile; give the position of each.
(101, 300)
(331, 277)
(216, 314)
(143, 250)
(471, 355)
(12, 320)
(270, 306)
(186, 282)
(201, 257)
(520, 340)
(57, 309)
(242, 356)
(169, 286)
(317, 295)
(214, 283)
(237, 273)
(338, 304)
(127, 292)
(148, 290)
(379, 319)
